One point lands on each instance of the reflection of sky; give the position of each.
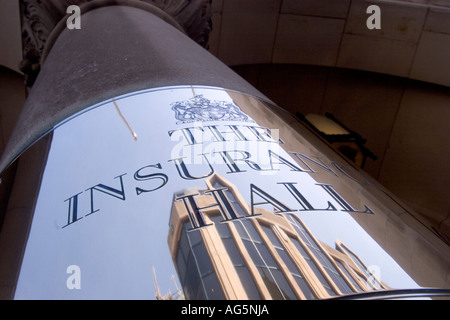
(117, 246)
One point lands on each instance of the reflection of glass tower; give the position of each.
(221, 251)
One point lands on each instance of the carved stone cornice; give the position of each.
(193, 15)
(40, 17)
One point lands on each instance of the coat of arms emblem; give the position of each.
(202, 109)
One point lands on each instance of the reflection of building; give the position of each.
(221, 251)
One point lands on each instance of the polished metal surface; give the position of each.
(193, 192)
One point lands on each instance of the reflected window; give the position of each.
(231, 198)
(371, 281)
(345, 269)
(320, 257)
(290, 264)
(195, 269)
(274, 280)
(236, 258)
(313, 266)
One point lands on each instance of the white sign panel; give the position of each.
(126, 181)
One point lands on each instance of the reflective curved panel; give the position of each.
(203, 193)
